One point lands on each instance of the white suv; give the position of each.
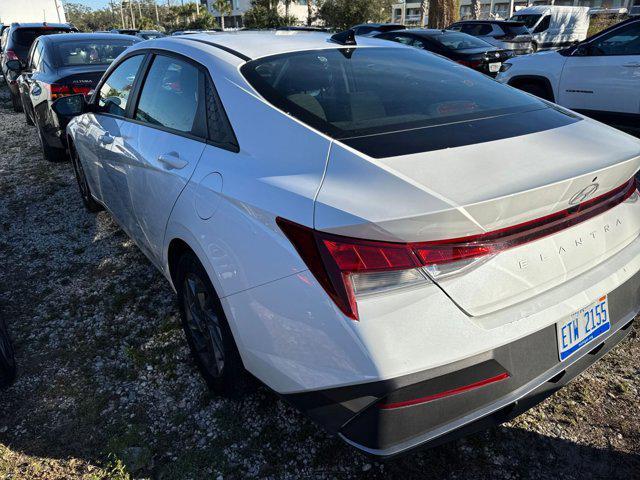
(599, 77)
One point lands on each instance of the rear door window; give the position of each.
(170, 95)
(622, 41)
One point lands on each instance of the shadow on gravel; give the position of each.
(106, 386)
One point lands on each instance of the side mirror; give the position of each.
(14, 65)
(583, 50)
(70, 106)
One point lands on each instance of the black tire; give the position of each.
(16, 102)
(537, 89)
(27, 117)
(206, 328)
(7, 359)
(83, 186)
(49, 153)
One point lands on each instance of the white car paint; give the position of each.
(289, 332)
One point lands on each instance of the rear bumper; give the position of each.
(532, 363)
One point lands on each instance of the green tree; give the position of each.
(224, 8)
(343, 14)
(265, 14)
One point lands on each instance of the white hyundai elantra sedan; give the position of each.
(401, 247)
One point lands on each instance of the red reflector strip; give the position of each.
(447, 393)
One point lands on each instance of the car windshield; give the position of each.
(90, 52)
(529, 20)
(353, 92)
(23, 38)
(459, 41)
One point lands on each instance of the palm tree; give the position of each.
(309, 12)
(424, 5)
(224, 8)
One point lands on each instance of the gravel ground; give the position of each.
(106, 387)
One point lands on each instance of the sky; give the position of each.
(92, 3)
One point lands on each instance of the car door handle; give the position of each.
(631, 65)
(105, 139)
(172, 161)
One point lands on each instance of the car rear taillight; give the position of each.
(57, 90)
(348, 268)
(11, 55)
(470, 64)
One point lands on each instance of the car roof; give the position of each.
(249, 45)
(42, 25)
(497, 22)
(58, 37)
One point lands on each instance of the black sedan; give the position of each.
(457, 46)
(60, 65)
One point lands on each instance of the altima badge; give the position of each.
(584, 194)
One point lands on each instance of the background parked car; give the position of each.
(373, 28)
(17, 41)
(60, 65)
(505, 35)
(599, 77)
(465, 49)
(149, 34)
(3, 27)
(555, 26)
(125, 31)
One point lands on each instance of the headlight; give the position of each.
(505, 66)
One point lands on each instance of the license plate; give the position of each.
(583, 327)
(495, 67)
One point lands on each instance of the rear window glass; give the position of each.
(529, 20)
(459, 41)
(514, 29)
(23, 38)
(90, 52)
(353, 92)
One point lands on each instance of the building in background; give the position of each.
(31, 11)
(297, 9)
(408, 13)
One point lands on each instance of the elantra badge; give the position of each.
(584, 194)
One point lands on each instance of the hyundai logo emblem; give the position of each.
(584, 194)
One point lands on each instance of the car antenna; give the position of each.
(347, 37)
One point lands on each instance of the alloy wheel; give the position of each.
(204, 324)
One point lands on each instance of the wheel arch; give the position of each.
(519, 80)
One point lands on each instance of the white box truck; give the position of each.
(554, 26)
(26, 11)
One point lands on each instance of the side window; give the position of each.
(477, 29)
(219, 128)
(34, 56)
(402, 39)
(114, 93)
(622, 41)
(543, 26)
(169, 96)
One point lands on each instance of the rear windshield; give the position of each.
(459, 41)
(90, 52)
(23, 38)
(518, 29)
(529, 20)
(363, 91)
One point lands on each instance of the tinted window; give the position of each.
(622, 41)
(23, 38)
(169, 96)
(404, 39)
(90, 52)
(528, 20)
(347, 93)
(543, 25)
(114, 93)
(476, 29)
(514, 30)
(459, 41)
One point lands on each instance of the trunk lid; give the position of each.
(470, 190)
(86, 76)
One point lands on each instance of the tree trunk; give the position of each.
(476, 9)
(423, 10)
(442, 13)
(222, 21)
(309, 12)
